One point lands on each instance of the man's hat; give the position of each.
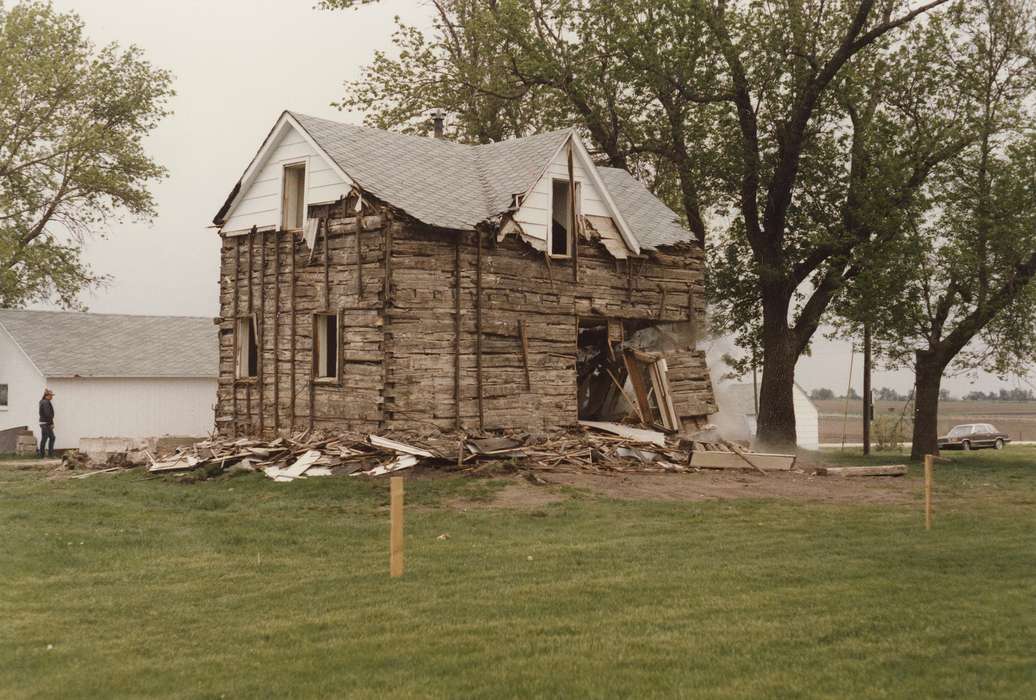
(48, 392)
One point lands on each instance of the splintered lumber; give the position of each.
(742, 454)
(887, 470)
(731, 460)
(178, 463)
(388, 444)
(402, 462)
(302, 464)
(649, 436)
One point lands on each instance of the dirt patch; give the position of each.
(518, 494)
(707, 486)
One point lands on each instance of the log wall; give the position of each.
(407, 359)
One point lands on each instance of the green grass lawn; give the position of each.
(115, 586)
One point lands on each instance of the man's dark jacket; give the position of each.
(46, 412)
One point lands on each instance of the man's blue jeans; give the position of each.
(46, 440)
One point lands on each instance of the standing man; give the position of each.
(46, 424)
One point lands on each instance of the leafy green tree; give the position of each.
(72, 121)
(805, 125)
(822, 394)
(960, 291)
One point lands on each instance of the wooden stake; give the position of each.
(928, 464)
(396, 532)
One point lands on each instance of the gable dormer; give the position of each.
(544, 214)
(288, 174)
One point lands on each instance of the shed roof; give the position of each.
(457, 186)
(70, 344)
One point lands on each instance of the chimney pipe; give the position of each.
(438, 122)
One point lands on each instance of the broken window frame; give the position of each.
(320, 344)
(570, 237)
(288, 189)
(246, 362)
(648, 375)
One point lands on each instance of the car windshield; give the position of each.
(960, 430)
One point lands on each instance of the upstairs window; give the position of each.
(3, 397)
(561, 238)
(247, 348)
(325, 346)
(293, 204)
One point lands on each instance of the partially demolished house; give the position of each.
(373, 280)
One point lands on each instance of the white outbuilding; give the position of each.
(112, 375)
(737, 403)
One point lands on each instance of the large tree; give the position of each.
(960, 290)
(782, 115)
(72, 121)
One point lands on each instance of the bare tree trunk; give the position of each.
(776, 420)
(928, 369)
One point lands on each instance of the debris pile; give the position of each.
(598, 447)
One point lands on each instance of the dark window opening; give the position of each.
(247, 348)
(293, 205)
(326, 346)
(561, 239)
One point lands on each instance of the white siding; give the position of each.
(24, 387)
(260, 203)
(534, 214)
(807, 421)
(88, 407)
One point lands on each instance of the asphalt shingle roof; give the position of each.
(68, 344)
(652, 222)
(456, 186)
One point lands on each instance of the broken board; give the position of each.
(731, 460)
(887, 470)
(652, 437)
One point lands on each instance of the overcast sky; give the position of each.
(237, 65)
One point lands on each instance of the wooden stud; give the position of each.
(294, 314)
(478, 328)
(251, 310)
(276, 331)
(259, 331)
(359, 255)
(237, 341)
(386, 330)
(572, 214)
(396, 526)
(928, 478)
(327, 266)
(525, 353)
(456, 331)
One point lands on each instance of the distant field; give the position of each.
(1017, 418)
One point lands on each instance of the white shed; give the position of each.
(112, 375)
(737, 405)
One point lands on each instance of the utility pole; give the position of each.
(868, 404)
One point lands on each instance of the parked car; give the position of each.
(972, 437)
